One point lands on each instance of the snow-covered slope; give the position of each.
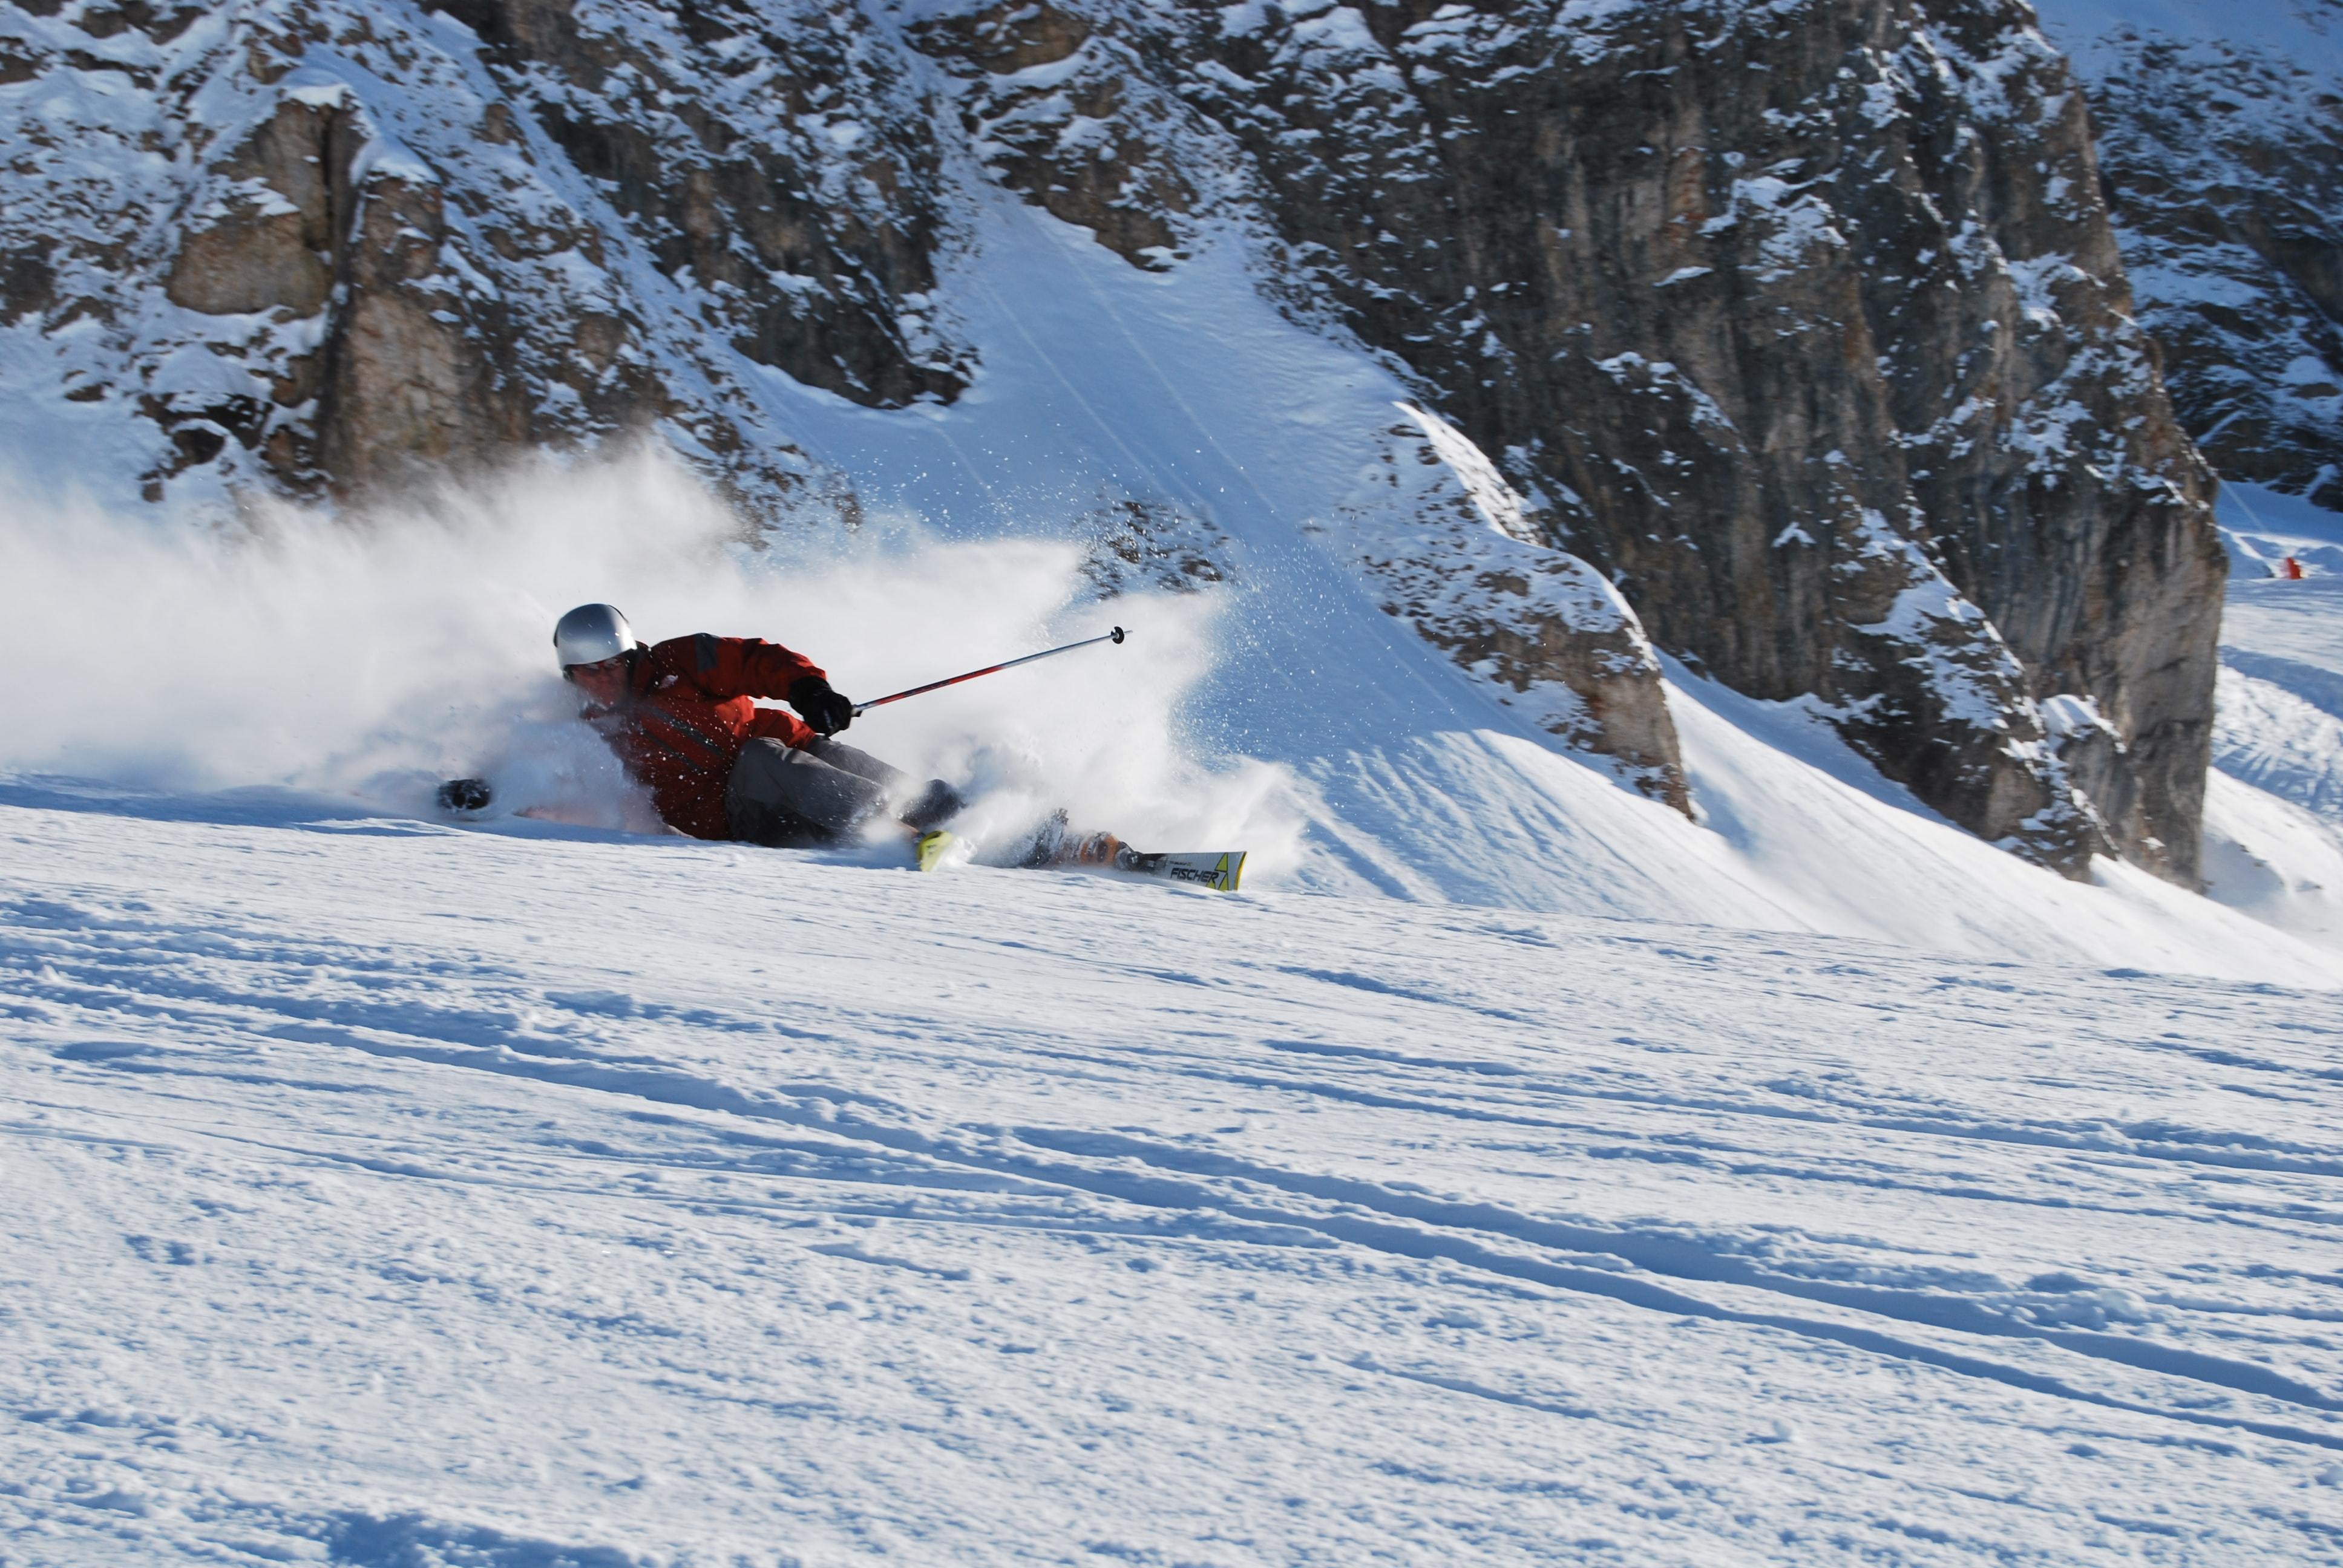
(387, 1194)
(1278, 706)
(390, 1195)
(2276, 803)
(1523, 1170)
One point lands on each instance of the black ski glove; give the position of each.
(826, 710)
(464, 795)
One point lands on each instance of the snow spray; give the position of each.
(375, 653)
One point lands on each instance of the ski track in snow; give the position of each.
(463, 1197)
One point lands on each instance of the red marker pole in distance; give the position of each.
(1116, 636)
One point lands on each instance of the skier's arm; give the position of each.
(725, 666)
(779, 724)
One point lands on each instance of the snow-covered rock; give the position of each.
(306, 246)
(1508, 606)
(1804, 316)
(2221, 151)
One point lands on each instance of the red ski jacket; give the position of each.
(688, 711)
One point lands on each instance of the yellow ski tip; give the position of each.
(932, 846)
(1221, 870)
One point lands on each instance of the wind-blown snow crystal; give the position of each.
(373, 655)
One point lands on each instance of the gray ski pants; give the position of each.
(814, 794)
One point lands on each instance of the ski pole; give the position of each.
(1116, 636)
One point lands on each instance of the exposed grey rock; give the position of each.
(1457, 554)
(1809, 319)
(249, 258)
(2222, 160)
(271, 237)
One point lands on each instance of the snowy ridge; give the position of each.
(1536, 621)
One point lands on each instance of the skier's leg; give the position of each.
(922, 805)
(1048, 839)
(783, 797)
(855, 761)
(933, 806)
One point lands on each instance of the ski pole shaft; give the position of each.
(1116, 636)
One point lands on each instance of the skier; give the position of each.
(682, 716)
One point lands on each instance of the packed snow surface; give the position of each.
(387, 1193)
(2275, 808)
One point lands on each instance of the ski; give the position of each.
(1220, 870)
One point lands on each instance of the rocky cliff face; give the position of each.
(1461, 556)
(2221, 155)
(1807, 320)
(1802, 323)
(319, 244)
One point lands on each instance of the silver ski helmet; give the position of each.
(590, 634)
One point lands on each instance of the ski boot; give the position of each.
(1095, 849)
(931, 847)
(1055, 844)
(466, 795)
